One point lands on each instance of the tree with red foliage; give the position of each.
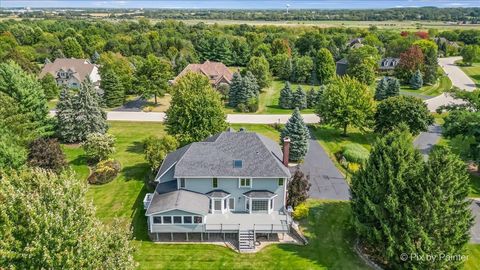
(422, 35)
(410, 61)
(404, 34)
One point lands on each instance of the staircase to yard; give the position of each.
(246, 240)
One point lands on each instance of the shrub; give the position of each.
(242, 107)
(46, 154)
(156, 149)
(301, 211)
(99, 146)
(104, 172)
(353, 167)
(252, 105)
(354, 152)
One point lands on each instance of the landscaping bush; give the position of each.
(46, 154)
(301, 211)
(353, 167)
(252, 105)
(354, 152)
(105, 171)
(99, 146)
(156, 149)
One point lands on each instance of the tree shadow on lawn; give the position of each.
(136, 147)
(330, 134)
(139, 221)
(331, 236)
(137, 172)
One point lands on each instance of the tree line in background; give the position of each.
(470, 15)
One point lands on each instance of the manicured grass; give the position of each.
(268, 99)
(332, 140)
(473, 254)
(330, 247)
(266, 130)
(443, 84)
(473, 72)
(163, 103)
(52, 104)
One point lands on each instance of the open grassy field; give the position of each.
(473, 72)
(394, 25)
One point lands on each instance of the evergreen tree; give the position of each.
(393, 87)
(235, 89)
(299, 99)
(416, 82)
(89, 116)
(311, 98)
(325, 66)
(446, 221)
(113, 92)
(384, 199)
(196, 110)
(381, 89)
(95, 57)
(297, 131)
(50, 87)
(298, 188)
(286, 97)
(27, 92)
(65, 116)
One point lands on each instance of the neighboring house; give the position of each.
(72, 72)
(233, 184)
(386, 65)
(355, 43)
(216, 72)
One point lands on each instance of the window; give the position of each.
(280, 181)
(177, 220)
(167, 220)
(215, 182)
(237, 163)
(197, 219)
(157, 220)
(231, 203)
(182, 182)
(260, 205)
(217, 205)
(245, 182)
(187, 220)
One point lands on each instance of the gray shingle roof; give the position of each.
(181, 199)
(217, 193)
(259, 194)
(261, 157)
(171, 159)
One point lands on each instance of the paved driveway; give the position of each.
(475, 231)
(327, 181)
(426, 140)
(458, 78)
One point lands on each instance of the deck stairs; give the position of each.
(246, 240)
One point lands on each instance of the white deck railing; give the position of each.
(147, 200)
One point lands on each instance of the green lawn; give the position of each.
(332, 140)
(473, 72)
(268, 99)
(266, 130)
(443, 84)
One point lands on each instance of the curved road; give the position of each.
(458, 78)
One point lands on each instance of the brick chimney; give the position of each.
(286, 150)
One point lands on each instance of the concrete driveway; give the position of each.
(426, 140)
(458, 78)
(475, 230)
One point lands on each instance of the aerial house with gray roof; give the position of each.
(232, 183)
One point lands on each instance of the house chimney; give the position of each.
(286, 150)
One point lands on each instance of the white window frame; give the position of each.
(182, 219)
(245, 186)
(184, 183)
(234, 204)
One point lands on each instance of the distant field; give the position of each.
(360, 24)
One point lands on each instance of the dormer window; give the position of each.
(237, 164)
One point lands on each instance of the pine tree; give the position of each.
(65, 116)
(286, 97)
(431, 64)
(251, 85)
(95, 57)
(311, 98)
(299, 99)
(325, 66)
(113, 92)
(235, 88)
(297, 131)
(446, 221)
(384, 196)
(381, 89)
(90, 116)
(393, 87)
(416, 82)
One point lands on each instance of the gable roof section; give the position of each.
(181, 199)
(215, 71)
(81, 68)
(261, 157)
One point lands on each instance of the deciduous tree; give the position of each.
(260, 68)
(151, 78)
(156, 149)
(46, 154)
(324, 66)
(50, 87)
(298, 188)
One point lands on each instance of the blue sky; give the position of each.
(238, 4)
